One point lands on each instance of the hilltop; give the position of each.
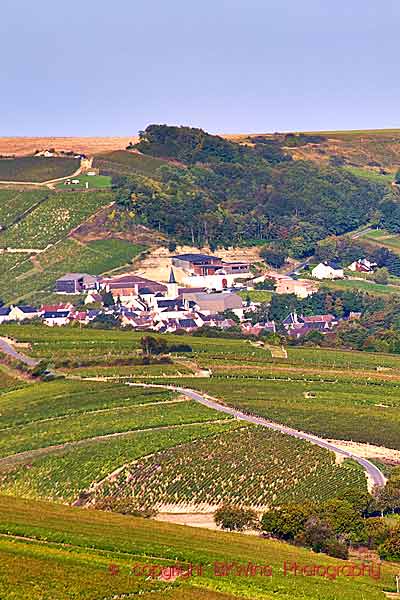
(371, 148)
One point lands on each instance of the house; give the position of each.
(259, 328)
(23, 313)
(302, 288)
(128, 286)
(208, 271)
(321, 323)
(4, 313)
(56, 318)
(328, 270)
(217, 303)
(93, 297)
(75, 283)
(362, 265)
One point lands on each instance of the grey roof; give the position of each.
(196, 257)
(27, 309)
(4, 311)
(59, 314)
(74, 276)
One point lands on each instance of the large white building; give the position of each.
(327, 270)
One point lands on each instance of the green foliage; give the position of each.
(235, 518)
(287, 521)
(381, 276)
(230, 194)
(273, 256)
(390, 549)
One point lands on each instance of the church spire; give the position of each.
(172, 276)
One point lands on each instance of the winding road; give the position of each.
(374, 474)
(7, 348)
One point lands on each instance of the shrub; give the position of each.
(235, 518)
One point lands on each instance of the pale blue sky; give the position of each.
(91, 67)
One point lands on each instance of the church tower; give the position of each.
(172, 285)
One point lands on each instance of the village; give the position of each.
(202, 290)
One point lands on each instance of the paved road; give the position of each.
(6, 347)
(375, 475)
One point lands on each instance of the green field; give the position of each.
(121, 162)
(371, 175)
(351, 397)
(256, 295)
(94, 182)
(37, 169)
(383, 238)
(53, 552)
(362, 285)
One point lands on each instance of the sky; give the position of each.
(109, 68)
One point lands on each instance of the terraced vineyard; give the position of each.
(250, 466)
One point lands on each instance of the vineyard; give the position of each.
(53, 219)
(37, 168)
(250, 466)
(14, 203)
(121, 162)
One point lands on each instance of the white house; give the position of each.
(22, 313)
(327, 270)
(56, 318)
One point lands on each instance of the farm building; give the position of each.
(75, 283)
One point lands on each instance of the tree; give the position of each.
(235, 518)
(108, 299)
(287, 521)
(390, 549)
(229, 314)
(273, 256)
(151, 345)
(381, 276)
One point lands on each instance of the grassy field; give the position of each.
(250, 466)
(70, 551)
(37, 169)
(383, 238)
(362, 285)
(34, 280)
(122, 162)
(94, 182)
(371, 175)
(256, 295)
